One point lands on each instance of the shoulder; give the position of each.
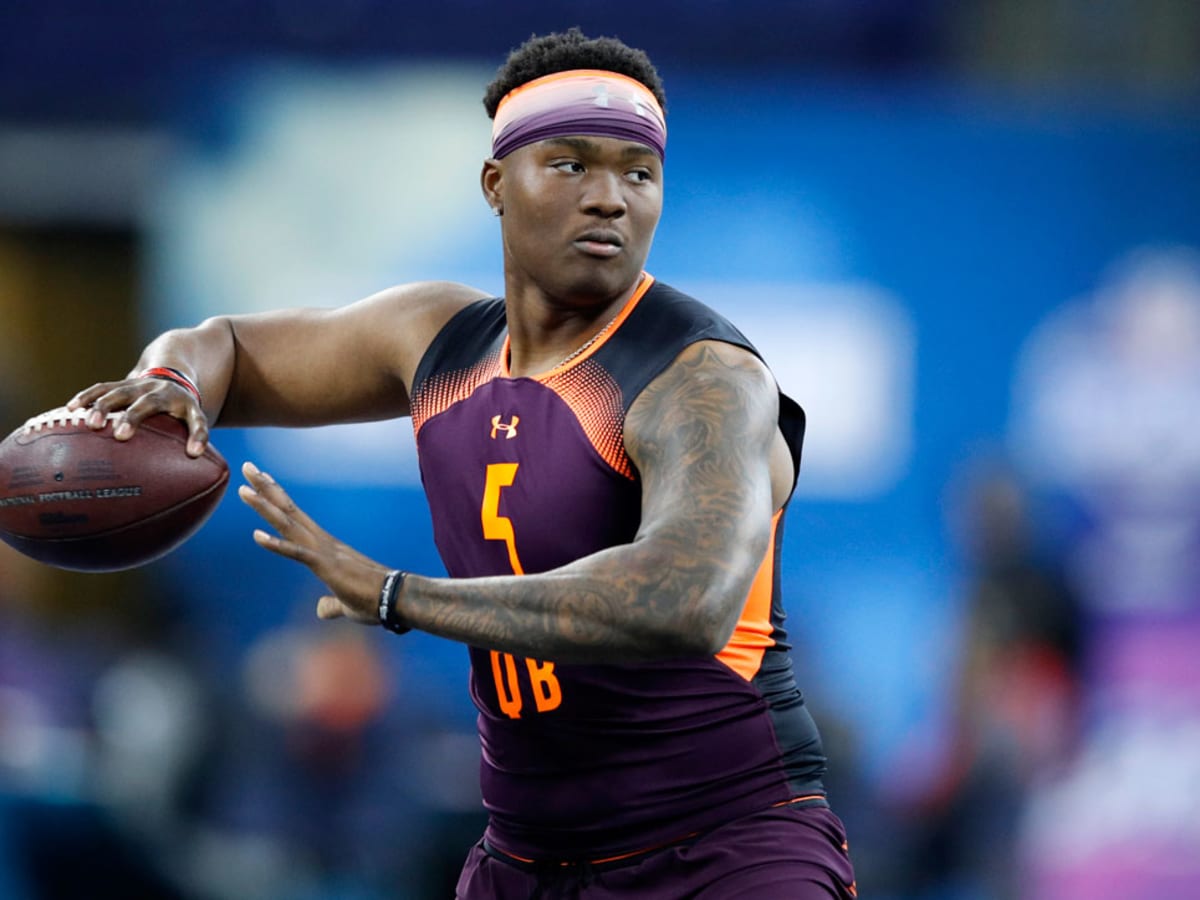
(703, 363)
(663, 325)
(425, 302)
(709, 370)
(414, 312)
(697, 363)
(410, 316)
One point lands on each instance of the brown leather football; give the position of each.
(79, 499)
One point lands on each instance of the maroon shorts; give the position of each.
(782, 853)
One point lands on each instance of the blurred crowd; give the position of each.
(129, 767)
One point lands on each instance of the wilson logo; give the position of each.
(509, 428)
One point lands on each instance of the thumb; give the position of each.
(330, 607)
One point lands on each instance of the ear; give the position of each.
(490, 182)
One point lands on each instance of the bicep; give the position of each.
(702, 436)
(353, 363)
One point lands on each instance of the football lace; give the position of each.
(53, 418)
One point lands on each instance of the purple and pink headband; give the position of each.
(579, 101)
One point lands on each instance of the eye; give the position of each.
(568, 166)
(640, 176)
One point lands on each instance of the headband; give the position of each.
(580, 101)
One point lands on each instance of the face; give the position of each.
(579, 214)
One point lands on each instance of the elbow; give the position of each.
(711, 618)
(686, 600)
(714, 634)
(215, 324)
(705, 628)
(692, 611)
(702, 640)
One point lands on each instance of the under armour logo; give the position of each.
(509, 428)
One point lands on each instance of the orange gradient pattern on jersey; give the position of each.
(753, 634)
(595, 398)
(439, 392)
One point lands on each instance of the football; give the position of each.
(77, 498)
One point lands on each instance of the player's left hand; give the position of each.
(354, 580)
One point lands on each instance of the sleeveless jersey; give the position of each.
(527, 474)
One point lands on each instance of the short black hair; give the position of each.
(571, 49)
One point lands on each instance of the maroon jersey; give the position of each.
(527, 474)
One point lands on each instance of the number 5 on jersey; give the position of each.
(547, 694)
(495, 526)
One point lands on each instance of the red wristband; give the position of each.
(168, 374)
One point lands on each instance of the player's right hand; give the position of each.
(137, 399)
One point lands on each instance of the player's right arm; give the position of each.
(295, 367)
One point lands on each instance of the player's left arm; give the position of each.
(701, 435)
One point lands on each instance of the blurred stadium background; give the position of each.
(966, 234)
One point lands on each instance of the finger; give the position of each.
(197, 423)
(104, 401)
(152, 396)
(89, 395)
(271, 514)
(330, 608)
(267, 487)
(114, 396)
(101, 400)
(283, 547)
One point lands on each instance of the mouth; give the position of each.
(600, 242)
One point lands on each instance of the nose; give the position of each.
(604, 195)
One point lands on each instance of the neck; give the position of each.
(543, 333)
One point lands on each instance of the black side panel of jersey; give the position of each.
(791, 422)
(804, 756)
(464, 340)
